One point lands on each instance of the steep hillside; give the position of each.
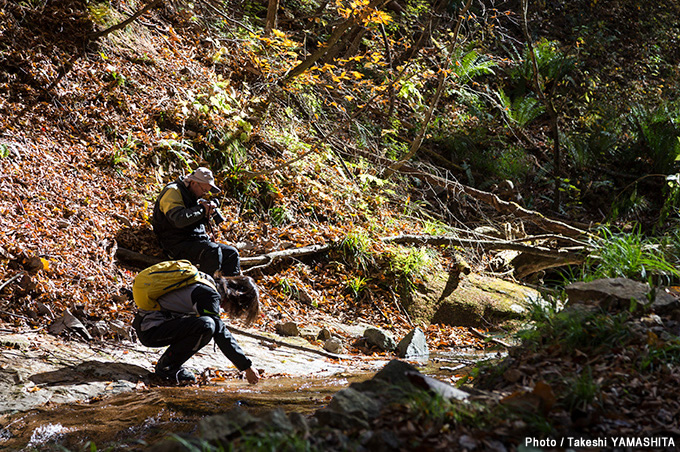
(92, 132)
(94, 125)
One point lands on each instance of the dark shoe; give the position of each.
(181, 375)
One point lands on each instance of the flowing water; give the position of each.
(131, 421)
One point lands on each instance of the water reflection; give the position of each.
(132, 420)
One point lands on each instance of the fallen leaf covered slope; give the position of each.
(91, 130)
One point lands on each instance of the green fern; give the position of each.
(522, 110)
(471, 65)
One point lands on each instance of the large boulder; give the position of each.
(473, 300)
(609, 293)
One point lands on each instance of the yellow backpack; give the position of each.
(155, 281)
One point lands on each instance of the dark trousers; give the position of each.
(208, 256)
(186, 336)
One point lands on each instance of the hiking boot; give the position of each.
(181, 376)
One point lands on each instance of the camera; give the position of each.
(217, 215)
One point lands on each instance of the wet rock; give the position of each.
(435, 386)
(349, 408)
(413, 345)
(45, 310)
(307, 296)
(333, 345)
(395, 372)
(221, 427)
(608, 293)
(120, 329)
(381, 441)
(278, 420)
(300, 423)
(665, 302)
(474, 300)
(380, 339)
(99, 329)
(309, 333)
(287, 329)
(324, 334)
(68, 322)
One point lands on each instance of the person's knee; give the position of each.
(230, 261)
(206, 326)
(210, 260)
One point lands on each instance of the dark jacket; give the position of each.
(177, 216)
(194, 301)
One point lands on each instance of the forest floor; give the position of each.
(81, 126)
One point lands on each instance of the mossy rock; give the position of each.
(472, 300)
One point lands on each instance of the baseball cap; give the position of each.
(203, 176)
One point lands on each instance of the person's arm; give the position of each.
(180, 216)
(207, 303)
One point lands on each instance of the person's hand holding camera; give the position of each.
(212, 211)
(208, 207)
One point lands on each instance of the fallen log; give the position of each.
(572, 253)
(526, 264)
(136, 259)
(140, 260)
(501, 206)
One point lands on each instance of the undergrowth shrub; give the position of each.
(408, 265)
(356, 250)
(631, 255)
(577, 329)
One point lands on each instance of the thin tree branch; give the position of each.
(442, 77)
(554, 124)
(127, 21)
(335, 37)
(12, 279)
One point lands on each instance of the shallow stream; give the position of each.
(133, 420)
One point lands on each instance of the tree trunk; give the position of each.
(554, 120)
(272, 11)
(335, 37)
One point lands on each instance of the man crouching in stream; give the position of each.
(190, 317)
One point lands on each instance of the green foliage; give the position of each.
(630, 204)
(288, 288)
(118, 78)
(554, 66)
(126, 154)
(671, 205)
(279, 215)
(577, 329)
(436, 228)
(660, 353)
(522, 110)
(433, 409)
(656, 137)
(410, 92)
(100, 12)
(356, 286)
(629, 255)
(409, 264)
(356, 250)
(599, 138)
(582, 391)
(4, 151)
(256, 197)
(182, 149)
(470, 65)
